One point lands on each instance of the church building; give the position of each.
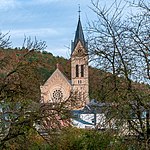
(58, 88)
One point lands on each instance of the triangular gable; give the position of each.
(79, 50)
(57, 71)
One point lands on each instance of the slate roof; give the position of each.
(79, 36)
(93, 107)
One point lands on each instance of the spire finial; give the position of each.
(79, 11)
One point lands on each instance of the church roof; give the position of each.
(79, 36)
(57, 71)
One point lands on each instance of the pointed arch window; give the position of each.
(77, 70)
(82, 70)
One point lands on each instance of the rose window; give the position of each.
(57, 95)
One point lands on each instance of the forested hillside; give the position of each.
(43, 64)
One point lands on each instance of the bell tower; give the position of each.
(79, 65)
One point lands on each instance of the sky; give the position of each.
(53, 21)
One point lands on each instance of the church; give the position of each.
(58, 88)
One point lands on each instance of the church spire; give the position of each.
(79, 36)
(79, 65)
(79, 11)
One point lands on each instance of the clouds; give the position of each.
(8, 4)
(42, 32)
(45, 1)
(53, 21)
(50, 35)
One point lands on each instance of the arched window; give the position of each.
(82, 70)
(77, 70)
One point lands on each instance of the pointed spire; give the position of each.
(79, 36)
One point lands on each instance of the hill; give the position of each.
(36, 67)
(43, 63)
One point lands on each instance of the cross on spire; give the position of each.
(79, 36)
(79, 11)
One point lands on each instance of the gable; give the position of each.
(79, 50)
(57, 75)
(56, 87)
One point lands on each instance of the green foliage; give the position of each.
(82, 139)
(22, 72)
(30, 141)
(44, 73)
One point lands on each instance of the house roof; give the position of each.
(92, 108)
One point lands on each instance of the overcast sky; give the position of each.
(53, 21)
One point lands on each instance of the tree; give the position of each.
(21, 110)
(30, 44)
(121, 47)
(19, 82)
(4, 40)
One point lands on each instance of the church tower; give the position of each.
(79, 65)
